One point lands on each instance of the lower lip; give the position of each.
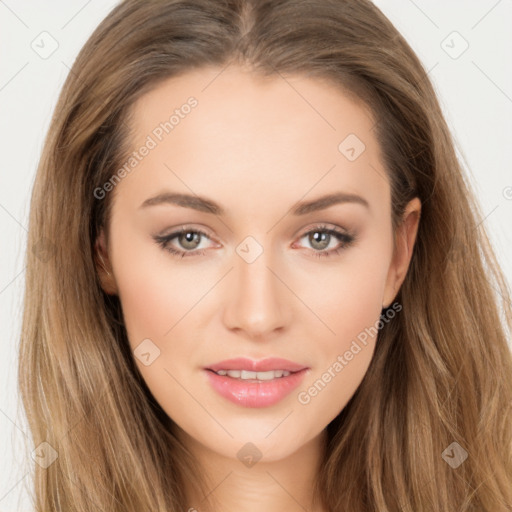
(251, 393)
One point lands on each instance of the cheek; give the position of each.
(154, 293)
(161, 303)
(350, 307)
(158, 303)
(346, 299)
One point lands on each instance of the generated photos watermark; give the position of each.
(304, 397)
(151, 142)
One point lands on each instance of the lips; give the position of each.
(260, 392)
(264, 365)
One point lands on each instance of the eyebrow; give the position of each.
(203, 204)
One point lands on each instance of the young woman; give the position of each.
(266, 284)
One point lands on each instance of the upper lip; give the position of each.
(264, 365)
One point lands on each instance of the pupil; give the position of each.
(320, 238)
(189, 239)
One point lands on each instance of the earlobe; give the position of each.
(103, 266)
(405, 239)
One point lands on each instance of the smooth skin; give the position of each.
(256, 147)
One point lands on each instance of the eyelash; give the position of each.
(346, 239)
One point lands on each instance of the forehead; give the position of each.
(279, 136)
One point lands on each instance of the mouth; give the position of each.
(255, 389)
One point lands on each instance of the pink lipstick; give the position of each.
(255, 383)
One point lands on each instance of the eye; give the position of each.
(189, 239)
(321, 237)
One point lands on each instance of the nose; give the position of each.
(259, 304)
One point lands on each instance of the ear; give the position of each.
(405, 237)
(103, 265)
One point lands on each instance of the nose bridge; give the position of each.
(257, 302)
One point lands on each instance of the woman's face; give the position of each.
(264, 268)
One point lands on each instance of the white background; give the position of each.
(475, 91)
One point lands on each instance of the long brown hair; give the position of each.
(442, 369)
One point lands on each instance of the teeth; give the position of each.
(244, 374)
